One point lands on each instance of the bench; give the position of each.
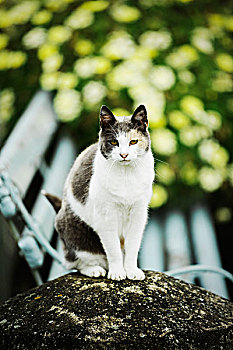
(35, 152)
(184, 245)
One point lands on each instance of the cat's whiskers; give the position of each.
(110, 168)
(159, 175)
(161, 161)
(138, 162)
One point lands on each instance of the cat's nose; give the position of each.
(124, 155)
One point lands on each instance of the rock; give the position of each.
(77, 312)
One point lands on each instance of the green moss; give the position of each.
(77, 312)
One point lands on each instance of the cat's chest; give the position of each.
(124, 186)
(127, 184)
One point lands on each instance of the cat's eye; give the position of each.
(114, 142)
(133, 142)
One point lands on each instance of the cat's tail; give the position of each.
(54, 200)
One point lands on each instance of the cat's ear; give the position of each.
(139, 116)
(106, 117)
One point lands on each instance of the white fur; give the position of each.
(117, 204)
(92, 265)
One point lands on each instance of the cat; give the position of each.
(103, 212)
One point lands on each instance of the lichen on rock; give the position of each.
(78, 312)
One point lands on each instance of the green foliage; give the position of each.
(171, 55)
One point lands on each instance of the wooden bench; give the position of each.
(37, 156)
(184, 245)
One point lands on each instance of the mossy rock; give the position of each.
(77, 312)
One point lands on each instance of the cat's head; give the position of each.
(124, 139)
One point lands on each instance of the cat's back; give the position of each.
(80, 175)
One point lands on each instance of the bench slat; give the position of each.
(62, 161)
(25, 147)
(206, 249)
(151, 256)
(177, 246)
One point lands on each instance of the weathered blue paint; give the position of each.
(7, 206)
(31, 251)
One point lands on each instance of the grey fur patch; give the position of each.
(76, 234)
(83, 172)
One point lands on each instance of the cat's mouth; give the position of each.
(125, 161)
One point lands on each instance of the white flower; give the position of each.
(126, 74)
(94, 92)
(211, 152)
(162, 77)
(94, 5)
(144, 91)
(164, 141)
(207, 148)
(49, 80)
(52, 63)
(85, 67)
(225, 62)
(7, 99)
(222, 82)
(214, 119)
(191, 135)
(21, 13)
(88, 66)
(159, 40)
(191, 104)
(186, 76)
(201, 39)
(182, 57)
(189, 173)
(59, 34)
(119, 46)
(178, 120)
(67, 80)
(159, 196)
(34, 38)
(67, 104)
(124, 13)
(154, 100)
(210, 179)
(164, 173)
(80, 18)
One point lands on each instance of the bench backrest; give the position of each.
(24, 150)
(175, 240)
(24, 163)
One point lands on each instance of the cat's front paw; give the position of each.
(135, 274)
(93, 271)
(117, 274)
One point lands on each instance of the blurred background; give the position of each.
(174, 56)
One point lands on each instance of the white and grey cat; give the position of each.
(104, 207)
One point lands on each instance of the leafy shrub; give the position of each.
(171, 55)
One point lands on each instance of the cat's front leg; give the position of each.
(133, 237)
(107, 230)
(113, 251)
